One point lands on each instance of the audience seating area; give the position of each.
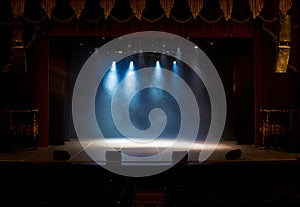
(207, 184)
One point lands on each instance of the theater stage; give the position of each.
(77, 152)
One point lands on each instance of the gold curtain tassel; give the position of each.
(138, 7)
(226, 6)
(18, 7)
(107, 5)
(77, 6)
(167, 5)
(256, 6)
(195, 7)
(284, 6)
(48, 5)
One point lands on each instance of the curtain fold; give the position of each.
(256, 6)
(77, 6)
(195, 6)
(244, 17)
(107, 6)
(48, 5)
(226, 6)
(138, 7)
(284, 6)
(167, 5)
(18, 7)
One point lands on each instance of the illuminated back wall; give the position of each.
(235, 67)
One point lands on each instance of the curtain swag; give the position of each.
(138, 6)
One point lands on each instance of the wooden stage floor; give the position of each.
(77, 153)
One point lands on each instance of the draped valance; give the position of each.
(181, 11)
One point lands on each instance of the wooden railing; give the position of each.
(23, 127)
(276, 127)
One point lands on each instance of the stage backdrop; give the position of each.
(232, 58)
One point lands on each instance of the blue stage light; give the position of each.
(113, 66)
(157, 65)
(111, 79)
(131, 66)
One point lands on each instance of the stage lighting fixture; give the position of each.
(233, 154)
(113, 157)
(131, 66)
(113, 65)
(157, 65)
(61, 155)
(180, 157)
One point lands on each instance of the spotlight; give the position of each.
(113, 65)
(157, 64)
(131, 67)
(178, 53)
(175, 69)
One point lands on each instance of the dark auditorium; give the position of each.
(149, 103)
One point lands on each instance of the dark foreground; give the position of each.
(206, 184)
